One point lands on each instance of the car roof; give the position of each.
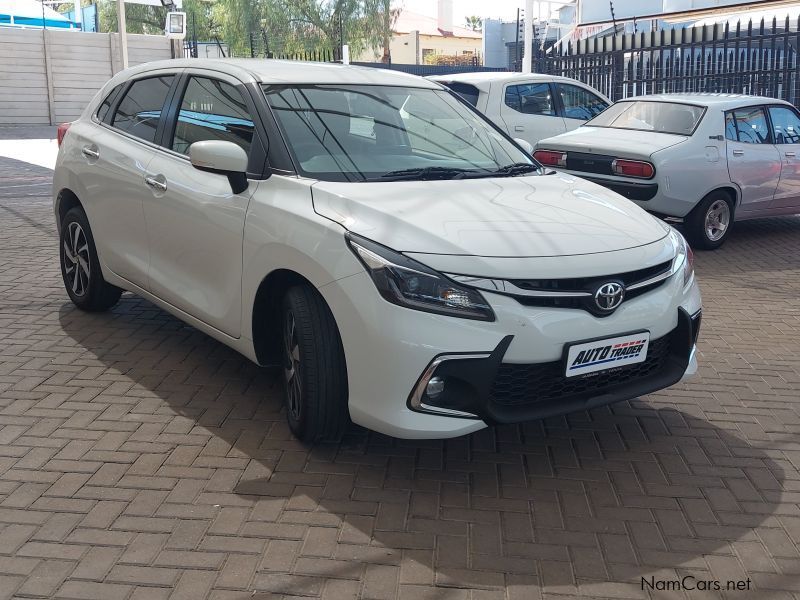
(502, 76)
(483, 79)
(709, 99)
(271, 71)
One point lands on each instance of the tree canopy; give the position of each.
(286, 25)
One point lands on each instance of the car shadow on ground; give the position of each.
(569, 504)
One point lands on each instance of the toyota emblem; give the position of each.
(609, 296)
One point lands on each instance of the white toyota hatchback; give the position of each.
(406, 263)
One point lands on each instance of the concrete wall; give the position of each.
(48, 76)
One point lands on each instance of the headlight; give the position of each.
(684, 259)
(407, 283)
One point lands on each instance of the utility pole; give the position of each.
(516, 46)
(613, 17)
(123, 33)
(527, 64)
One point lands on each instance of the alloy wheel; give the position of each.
(291, 367)
(718, 219)
(77, 269)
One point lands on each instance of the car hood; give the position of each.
(529, 216)
(613, 142)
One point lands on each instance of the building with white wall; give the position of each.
(416, 36)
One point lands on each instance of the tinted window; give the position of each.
(531, 99)
(468, 92)
(660, 117)
(102, 111)
(212, 110)
(750, 125)
(580, 103)
(140, 109)
(785, 125)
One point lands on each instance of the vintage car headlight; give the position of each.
(684, 257)
(408, 283)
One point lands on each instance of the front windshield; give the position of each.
(660, 117)
(366, 132)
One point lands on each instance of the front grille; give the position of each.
(519, 385)
(587, 284)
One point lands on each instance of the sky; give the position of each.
(463, 8)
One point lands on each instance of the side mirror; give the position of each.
(525, 145)
(225, 158)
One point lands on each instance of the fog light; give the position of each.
(435, 387)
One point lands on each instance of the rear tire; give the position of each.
(710, 222)
(315, 375)
(80, 267)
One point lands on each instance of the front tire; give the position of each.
(710, 222)
(314, 371)
(80, 267)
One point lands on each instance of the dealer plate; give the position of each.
(608, 353)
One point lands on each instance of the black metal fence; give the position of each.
(760, 59)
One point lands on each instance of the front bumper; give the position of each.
(388, 348)
(483, 386)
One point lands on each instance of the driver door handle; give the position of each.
(156, 183)
(519, 128)
(90, 152)
(738, 152)
(790, 154)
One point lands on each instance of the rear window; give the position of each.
(659, 117)
(468, 92)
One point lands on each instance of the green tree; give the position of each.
(474, 23)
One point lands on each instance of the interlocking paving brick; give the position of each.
(141, 460)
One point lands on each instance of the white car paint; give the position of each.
(491, 88)
(200, 252)
(764, 176)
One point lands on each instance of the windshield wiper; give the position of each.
(425, 173)
(516, 169)
(422, 173)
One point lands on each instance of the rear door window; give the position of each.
(749, 125)
(531, 99)
(139, 113)
(212, 110)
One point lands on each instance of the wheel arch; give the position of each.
(265, 323)
(733, 193)
(66, 200)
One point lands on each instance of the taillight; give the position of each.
(551, 158)
(633, 168)
(62, 131)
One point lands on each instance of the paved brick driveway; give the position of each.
(141, 460)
